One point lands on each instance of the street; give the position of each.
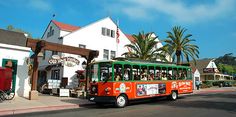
(221, 104)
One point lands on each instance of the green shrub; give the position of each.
(211, 83)
(206, 84)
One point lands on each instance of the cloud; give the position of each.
(135, 12)
(42, 5)
(179, 10)
(39, 4)
(234, 35)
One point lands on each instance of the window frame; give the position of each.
(55, 76)
(105, 55)
(82, 46)
(113, 52)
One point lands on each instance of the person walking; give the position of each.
(197, 84)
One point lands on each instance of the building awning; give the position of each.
(49, 67)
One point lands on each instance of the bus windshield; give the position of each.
(94, 72)
(105, 71)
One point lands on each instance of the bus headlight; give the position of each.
(94, 89)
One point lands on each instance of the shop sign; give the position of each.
(67, 61)
(210, 70)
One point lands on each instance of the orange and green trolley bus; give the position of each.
(119, 81)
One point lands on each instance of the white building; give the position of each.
(12, 48)
(196, 77)
(209, 71)
(100, 35)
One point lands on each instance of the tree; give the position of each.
(12, 28)
(224, 68)
(179, 45)
(228, 59)
(226, 63)
(144, 48)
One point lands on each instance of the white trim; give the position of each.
(14, 47)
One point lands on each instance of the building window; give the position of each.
(48, 34)
(82, 46)
(55, 75)
(113, 54)
(112, 33)
(108, 32)
(105, 54)
(44, 54)
(103, 31)
(54, 53)
(51, 32)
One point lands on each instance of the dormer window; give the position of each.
(51, 32)
(108, 32)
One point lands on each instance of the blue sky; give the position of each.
(211, 22)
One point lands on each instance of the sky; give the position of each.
(211, 22)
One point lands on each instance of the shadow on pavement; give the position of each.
(206, 101)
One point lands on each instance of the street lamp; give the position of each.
(84, 65)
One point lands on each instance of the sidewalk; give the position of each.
(214, 90)
(48, 103)
(44, 103)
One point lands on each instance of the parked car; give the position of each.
(225, 84)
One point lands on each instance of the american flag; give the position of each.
(117, 35)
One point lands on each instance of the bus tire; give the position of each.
(121, 101)
(173, 95)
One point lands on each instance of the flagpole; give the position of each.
(117, 37)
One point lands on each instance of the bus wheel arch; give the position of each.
(121, 100)
(173, 95)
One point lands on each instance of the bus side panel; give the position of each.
(168, 87)
(123, 87)
(185, 86)
(150, 89)
(102, 86)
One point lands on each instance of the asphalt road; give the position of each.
(200, 105)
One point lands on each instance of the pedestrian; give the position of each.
(197, 84)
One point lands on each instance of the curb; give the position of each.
(213, 91)
(41, 109)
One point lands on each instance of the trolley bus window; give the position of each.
(127, 72)
(158, 73)
(144, 74)
(169, 73)
(189, 74)
(184, 74)
(175, 74)
(118, 71)
(136, 72)
(164, 73)
(179, 74)
(94, 72)
(105, 72)
(151, 73)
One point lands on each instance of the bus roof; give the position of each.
(142, 62)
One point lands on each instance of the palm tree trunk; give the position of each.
(178, 60)
(178, 53)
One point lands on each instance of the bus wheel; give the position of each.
(121, 101)
(173, 95)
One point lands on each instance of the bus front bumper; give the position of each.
(102, 99)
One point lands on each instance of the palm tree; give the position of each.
(178, 45)
(144, 47)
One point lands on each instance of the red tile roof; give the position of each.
(65, 27)
(130, 37)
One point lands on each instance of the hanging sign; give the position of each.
(67, 61)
